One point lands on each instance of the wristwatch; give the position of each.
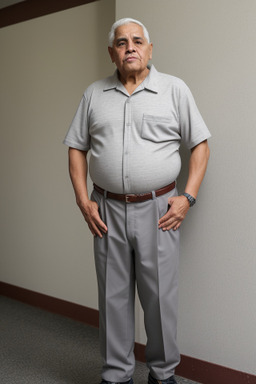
(190, 198)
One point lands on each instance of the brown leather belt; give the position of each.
(135, 198)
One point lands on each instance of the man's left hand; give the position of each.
(178, 208)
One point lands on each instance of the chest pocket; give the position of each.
(159, 129)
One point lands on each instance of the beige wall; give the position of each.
(46, 64)
(211, 46)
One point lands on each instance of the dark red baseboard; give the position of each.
(189, 367)
(65, 308)
(203, 371)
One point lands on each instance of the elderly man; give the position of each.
(133, 123)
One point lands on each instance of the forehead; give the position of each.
(130, 29)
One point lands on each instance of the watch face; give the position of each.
(192, 201)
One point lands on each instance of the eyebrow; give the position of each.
(125, 39)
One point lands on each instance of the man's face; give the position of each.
(131, 50)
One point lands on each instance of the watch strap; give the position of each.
(190, 198)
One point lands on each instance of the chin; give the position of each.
(133, 66)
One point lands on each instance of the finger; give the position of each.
(167, 226)
(172, 224)
(176, 227)
(103, 226)
(94, 221)
(100, 224)
(95, 230)
(167, 222)
(165, 218)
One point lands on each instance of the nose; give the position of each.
(130, 46)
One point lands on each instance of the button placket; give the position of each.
(126, 144)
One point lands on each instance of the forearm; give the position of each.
(179, 205)
(197, 168)
(78, 174)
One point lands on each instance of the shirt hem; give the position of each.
(75, 145)
(200, 140)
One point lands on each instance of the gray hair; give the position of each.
(118, 23)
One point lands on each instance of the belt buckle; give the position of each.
(127, 197)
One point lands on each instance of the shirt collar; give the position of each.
(150, 82)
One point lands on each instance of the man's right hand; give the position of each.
(91, 215)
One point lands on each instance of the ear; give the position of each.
(111, 54)
(150, 50)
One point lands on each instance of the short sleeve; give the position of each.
(78, 134)
(192, 126)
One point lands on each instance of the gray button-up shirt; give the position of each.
(135, 139)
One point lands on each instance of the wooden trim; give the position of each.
(209, 373)
(30, 9)
(61, 307)
(203, 371)
(189, 367)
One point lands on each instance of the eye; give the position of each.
(121, 43)
(138, 42)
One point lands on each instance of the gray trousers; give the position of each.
(135, 251)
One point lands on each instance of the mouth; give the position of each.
(130, 59)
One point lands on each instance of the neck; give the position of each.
(132, 80)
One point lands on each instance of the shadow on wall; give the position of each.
(183, 176)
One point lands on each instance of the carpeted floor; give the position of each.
(38, 347)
